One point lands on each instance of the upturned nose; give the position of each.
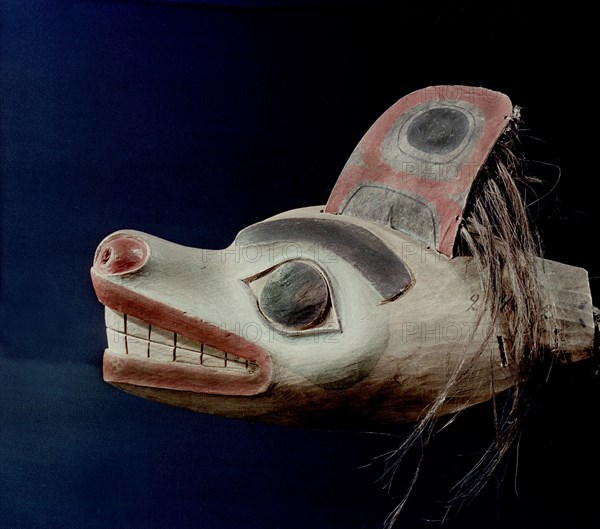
(120, 254)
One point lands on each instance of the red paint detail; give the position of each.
(146, 373)
(123, 299)
(448, 198)
(121, 254)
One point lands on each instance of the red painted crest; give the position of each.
(414, 168)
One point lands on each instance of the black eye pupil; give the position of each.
(295, 295)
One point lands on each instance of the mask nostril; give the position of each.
(106, 255)
(121, 254)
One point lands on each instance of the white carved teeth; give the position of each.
(135, 338)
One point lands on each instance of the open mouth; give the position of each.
(131, 337)
(147, 355)
(154, 344)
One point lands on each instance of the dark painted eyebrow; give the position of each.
(364, 250)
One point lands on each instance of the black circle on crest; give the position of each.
(438, 130)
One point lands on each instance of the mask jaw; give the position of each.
(157, 341)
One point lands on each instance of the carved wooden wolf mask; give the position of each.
(355, 312)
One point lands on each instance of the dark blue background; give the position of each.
(191, 121)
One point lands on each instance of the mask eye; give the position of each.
(295, 296)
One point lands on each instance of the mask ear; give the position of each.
(415, 166)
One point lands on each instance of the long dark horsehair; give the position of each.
(496, 231)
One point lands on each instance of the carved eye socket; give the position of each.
(296, 296)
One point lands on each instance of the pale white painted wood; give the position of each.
(373, 362)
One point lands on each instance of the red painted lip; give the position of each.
(135, 371)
